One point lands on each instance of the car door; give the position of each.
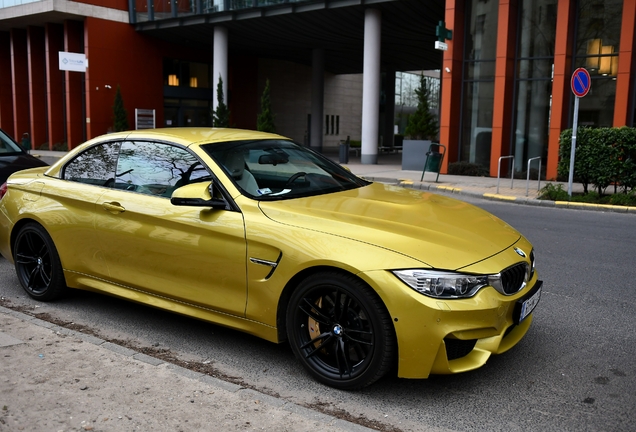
(190, 254)
(71, 202)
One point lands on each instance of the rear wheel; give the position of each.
(340, 331)
(38, 264)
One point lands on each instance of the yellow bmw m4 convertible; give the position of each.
(251, 231)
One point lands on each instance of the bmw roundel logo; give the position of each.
(337, 330)
(521, 253)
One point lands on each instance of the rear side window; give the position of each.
(7, 145)
(95, 165)
(156, 168)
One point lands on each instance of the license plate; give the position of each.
(526, 306)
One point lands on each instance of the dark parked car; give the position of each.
(13, 158)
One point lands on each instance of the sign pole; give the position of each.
(573, 150)
(580, 84)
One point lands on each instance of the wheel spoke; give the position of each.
(356, 340)
(29, 242)
(360, 351)
(44, 252)
(345, 308)
(21, 258)
(32, 274)
(337, 306)
(44, 276)
(324, 341)
(342, 358)
(314, 312)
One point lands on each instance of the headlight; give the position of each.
(446, 285)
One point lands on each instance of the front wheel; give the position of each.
(340, 331)
(38, 264)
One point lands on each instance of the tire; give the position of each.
(340, 331)
(37, 263)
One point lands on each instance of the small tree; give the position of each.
(265, 121)
(120, 116)
(422, 124)
(220, 116)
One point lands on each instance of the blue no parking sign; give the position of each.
(581, 82)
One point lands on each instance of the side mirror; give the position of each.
(196, 195)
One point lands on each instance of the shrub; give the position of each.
(220, 116)
(623, 199)
(553, 192)
(120, 115)
(265, 120)
(422, 123)
(468, 169)
(604, 156)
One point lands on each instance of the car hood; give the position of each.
(441, 232)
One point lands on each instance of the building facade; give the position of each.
(505, 77)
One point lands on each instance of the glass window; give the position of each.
(178, 73)
(533, 90)
(7, 145)
(96, 165)
(479, 78)
(598, 35)
(156, 169)
(597, 45)
(277, 169)
(477, 122)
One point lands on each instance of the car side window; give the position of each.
(156, 168)
(95, 165)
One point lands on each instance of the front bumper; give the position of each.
(450, 336)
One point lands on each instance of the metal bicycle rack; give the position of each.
(512, 171)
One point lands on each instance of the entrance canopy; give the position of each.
(291, 30)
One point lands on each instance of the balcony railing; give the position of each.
(153, 10)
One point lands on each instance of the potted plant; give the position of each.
(421, 130)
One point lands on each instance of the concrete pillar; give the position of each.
(317, 98)
(219, 66)
(371, 86)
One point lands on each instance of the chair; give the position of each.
(235, 164)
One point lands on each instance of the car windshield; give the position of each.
(7, 145)
(279, 169)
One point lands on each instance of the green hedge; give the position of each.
(604, 157)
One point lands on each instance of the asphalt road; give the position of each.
(574, 371)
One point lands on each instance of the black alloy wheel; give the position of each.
(340, 331)
(38, 264)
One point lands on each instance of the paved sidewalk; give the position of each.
(520, 191)
(56, 379)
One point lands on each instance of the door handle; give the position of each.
(113, 207)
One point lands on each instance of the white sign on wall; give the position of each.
(441, 46)
(75, 62)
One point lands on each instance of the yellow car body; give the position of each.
(239, 266)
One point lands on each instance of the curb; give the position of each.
(245, 393)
